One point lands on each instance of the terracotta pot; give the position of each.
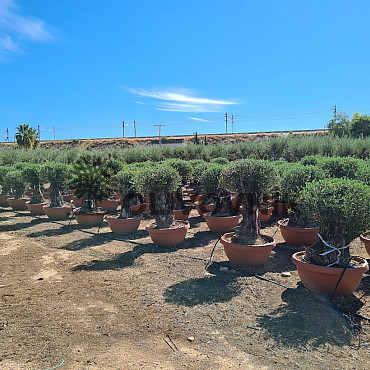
(116, 196)
(140, 208)
(220, 225)
(267, 198)
(264, 214)
(67, 198)
(46, 195)
(280, 208)
(37, 208)
(109, 205)
(298, 236)
(58, 213)
(28, 193)
(197, 197)
(77, 202)
(90, 219)
(181, 214)
(236, 204)
(170, 237)
(124, 226)
(203, 208)
(18, 204)
(323, 280)
(4, 200)
(253, 255)
(366, 241)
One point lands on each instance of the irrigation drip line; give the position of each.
(56, 367)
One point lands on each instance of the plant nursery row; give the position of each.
(324, 199)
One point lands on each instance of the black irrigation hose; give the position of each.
(340, 277)
(214, 247)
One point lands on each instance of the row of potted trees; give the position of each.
(313, 198)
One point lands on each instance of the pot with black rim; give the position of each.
(14, 181)
(365, 238)
(160, 181)
(56, 174)
(126, 223)
(250, 178)
(32, 173)
(337, 204)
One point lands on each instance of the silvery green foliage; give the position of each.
(248, 176)
(184, 168)
(295, 177)
(210, 178)
(158, 178)
(123, 182)
(14, 181)
(341, 167)
(341, 206)
(56, 173)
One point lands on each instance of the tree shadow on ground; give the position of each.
(128, 258)
(94, 241)
(22, 225)
(199, 239)
(195, 221)
(216, 288)
(365, 284)
(64, 229)
(121, 260)
(303, 319)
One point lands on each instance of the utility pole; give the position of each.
(135, 127)
(38, 132)
(7, 135)
(232, 123)
(123, 128)
(226, 121)
(159, 133)
(334, 109)
(54, 133)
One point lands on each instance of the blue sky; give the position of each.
(84, 66)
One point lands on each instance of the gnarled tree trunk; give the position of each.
(160, 207)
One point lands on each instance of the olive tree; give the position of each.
(250, 178)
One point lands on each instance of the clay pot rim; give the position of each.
(91, 213)
(207, 215)
(268, 207)
(124, 219)
(325, 269)
(44, 203)
(364, 239)
(186, 225)
(70, 207)
(270, 244)
(301, 229)
(202, 204)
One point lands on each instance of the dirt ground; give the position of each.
(73, 298)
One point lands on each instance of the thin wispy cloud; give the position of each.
(181, 100)
(199, 119)
(17, 29)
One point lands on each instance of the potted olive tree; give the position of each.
(250, 178)
(222, 218)
(298, 230)
(5, 192)
(159, 182)
(32, 175)
(89, 183)
(180, 210)
(57, 174)
(339, 206)
(123, 184)
(17, 185)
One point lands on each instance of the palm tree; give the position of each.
(26, 136)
